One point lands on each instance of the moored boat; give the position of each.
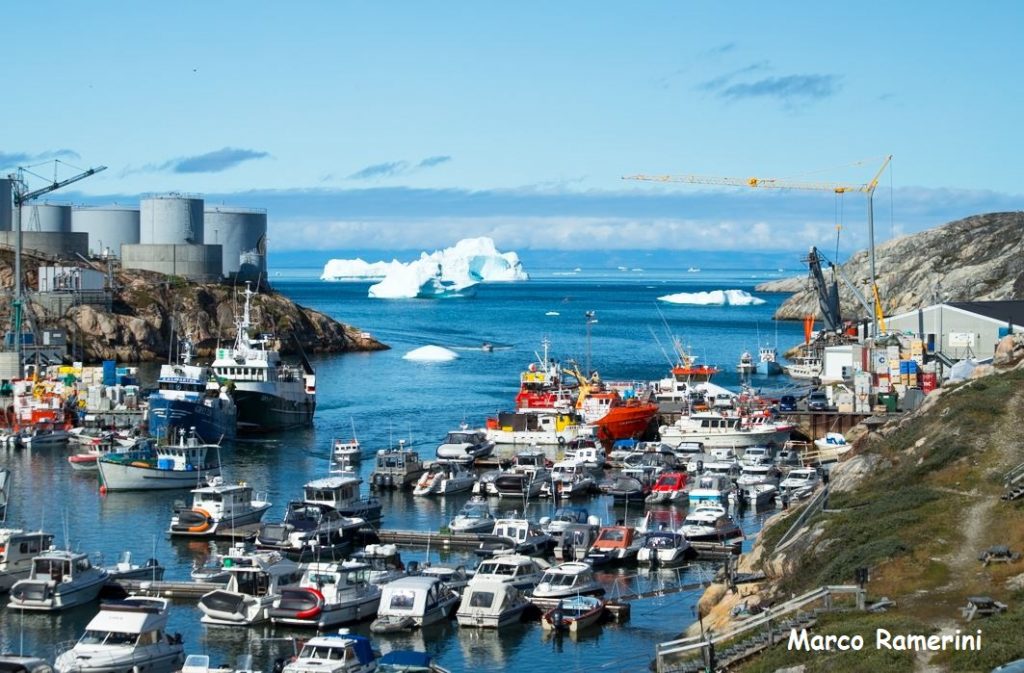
(186, 464)
(216, 507)
(17, 549)
(328, 595)
(58, 580)
(573, 614)
(396, 468)
(334, 653)
(491, 604)
(256, 578)
(412, 602)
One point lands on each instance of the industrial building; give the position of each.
(962, 329)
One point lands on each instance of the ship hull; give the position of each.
(211, 422)
(260, 411)
(625, 422)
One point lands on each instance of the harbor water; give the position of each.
(386, 398)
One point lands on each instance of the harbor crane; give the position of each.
(773, 183)
(23, 195)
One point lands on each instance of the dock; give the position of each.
(175, 590)
(244, 533)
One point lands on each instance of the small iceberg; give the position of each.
(431, 354)
(552, 313)
(693, 269)
(713, 298)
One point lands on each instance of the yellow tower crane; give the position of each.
(772, 183)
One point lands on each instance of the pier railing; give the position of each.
(815, 505)
(687, 653)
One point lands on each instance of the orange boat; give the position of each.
(616, 417)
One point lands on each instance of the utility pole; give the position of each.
(591, 319)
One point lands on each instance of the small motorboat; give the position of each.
(575, 541)
(126, 635)
(664, 549)
(211, 569)
(255, 581)
(408, 661)
(465, 445)
(346, 450)
(568, 579)
(515, 536)
(615, 545)
(800, 483)
(521, 572)
(218, 507)
(474, 517)
(17, 549)
(328, 595)
(383, 560)
(573, 614)
(58, 580)
(758, 495)
(491, 604)
(125, 569)
(334, 653)
(412, 602)
(443, 478)
(710, 523)
(627, 489)
(669, 488)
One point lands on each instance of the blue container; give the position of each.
(912, 366)
(905, 366)
(109, 373)
(165, 464)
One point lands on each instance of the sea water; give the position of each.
(382, 398)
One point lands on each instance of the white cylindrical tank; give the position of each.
(109, 227)
(242, 232)
(171, 220)
(46, 217)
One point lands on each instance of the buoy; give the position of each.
(103, 490)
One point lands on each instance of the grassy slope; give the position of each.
(919, 523)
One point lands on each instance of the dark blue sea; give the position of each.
(386, 398)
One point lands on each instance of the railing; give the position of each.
(695, 645)
(816, 504)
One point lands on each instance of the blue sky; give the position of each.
(403, 125)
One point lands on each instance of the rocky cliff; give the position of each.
(138, 328)
(975, 259)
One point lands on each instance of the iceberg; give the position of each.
(451, 272)
(431, 354)
(713, 298)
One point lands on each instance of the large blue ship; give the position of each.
(190, 396)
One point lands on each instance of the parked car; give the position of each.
(817, 401)
(787, 403)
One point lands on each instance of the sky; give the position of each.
(403, 125)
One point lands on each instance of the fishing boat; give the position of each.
(687, 370)
(58, 580)
(491, 604)
(191, 396)
(271, 395)
(126, 635)
(328, 595)
(397, 468)
(668, 488)
(718, 430)
(805, 368)
(746, 365)
(412, 602)
(444, 478)
(474, 517)
(334, 653)
(768, 361)
(464, 445)
(568, 579)
(256, 578)
(217, 507)
(87, 459)
(573, 614)
(186, 464)
(17, 549)
(536, 428)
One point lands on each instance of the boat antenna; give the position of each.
(657, 341)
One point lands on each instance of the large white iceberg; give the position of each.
(451, 272)
(713, 298)
(431, 354)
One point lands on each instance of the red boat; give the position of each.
(616, 417)
(687, 368)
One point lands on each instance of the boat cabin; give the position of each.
(59, 566)
(18, 547)
(334, 492)
(334, 653)
(220, 499)
(134, 621)
(412, 597)
(518, 570)
(613, 538)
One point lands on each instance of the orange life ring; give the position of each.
(199, 528)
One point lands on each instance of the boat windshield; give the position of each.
(559, 579)
(461, 438)
(476, 511)
(481, 599)
(108, 638)
(493, 568)
(323, 652)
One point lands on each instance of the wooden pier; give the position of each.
(174, 590)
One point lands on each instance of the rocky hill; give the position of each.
(974, 259)
(138, 328)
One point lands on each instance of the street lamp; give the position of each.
(591, 317)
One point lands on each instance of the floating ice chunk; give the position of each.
(552, 313)
(713, 298)
(431, 354)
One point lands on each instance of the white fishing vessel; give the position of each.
(271, 395)
(717, 430)
(58, 580)
(217, 507)
(17, 549)
(186, 464)
(491, 604)
(256, 578)
(328, 595)
(127, 635)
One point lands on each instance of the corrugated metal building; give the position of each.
(962, 329)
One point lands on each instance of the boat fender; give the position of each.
(313, 611)
(205, 524)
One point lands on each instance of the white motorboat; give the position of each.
(125, 569)
(708, 522)
(800, 483)
(328, 595)
(526, 478)
(384, 561)
(44, 436)
(396, 468)
(310, 531)
(711, 488)
(474, 517)
(347, 450)
(127, 635)
(521, 572)
(465, 445)
(58, 580)
(556, 524)
(412, 602)
(455, 578)
(714, 429)
(536, 428)
(334, 653)
(444, 478)
(218, 507)
(647, 466)
(255, 583)
(575, 541)
(210, 569)
(757, 495)
(615, 545)
(746, 364)
(753, 475)
(758, 455)
(187, 464)
(341, 492)
(491, 604)
(664, 548)
(17, 549)
(586, 456)
(568, 579)
(515, 536)
(570, 479)
(17, 664)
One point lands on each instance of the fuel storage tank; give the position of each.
(46, 217)
(108, 227)
(242, 233)
(172, 219)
